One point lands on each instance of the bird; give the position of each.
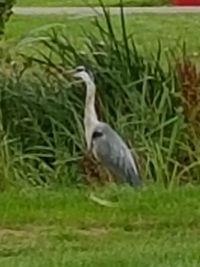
(102, 140)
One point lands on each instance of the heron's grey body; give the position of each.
(107, 146)
(113, 153)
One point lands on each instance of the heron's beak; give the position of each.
(70, 73)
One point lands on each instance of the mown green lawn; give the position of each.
(89, 2)
(154, 227)
(147, 29)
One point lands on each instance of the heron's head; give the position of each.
(83, 74)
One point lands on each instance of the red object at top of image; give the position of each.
(186, 2)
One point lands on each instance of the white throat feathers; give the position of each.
(90, 116)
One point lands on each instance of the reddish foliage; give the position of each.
(94, 171)
(189, 78)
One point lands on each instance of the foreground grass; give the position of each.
(154, 227)
(90, 2)
(147, 29)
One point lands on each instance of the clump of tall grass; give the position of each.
(38, 143)
(41, 111)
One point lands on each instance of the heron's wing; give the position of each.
(114, 154)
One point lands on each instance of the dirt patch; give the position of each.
(33, 233)
(27, 233)
(11, 232)
(93, 231)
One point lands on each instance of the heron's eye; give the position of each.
(79, 69)
(97, 134)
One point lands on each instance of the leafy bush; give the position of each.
(41, 111)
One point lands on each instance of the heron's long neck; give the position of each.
(90, 116)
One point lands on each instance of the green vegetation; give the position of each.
(150, 97)
(42, 145)
(155, 227)
(91, 2)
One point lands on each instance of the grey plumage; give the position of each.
(113, 153)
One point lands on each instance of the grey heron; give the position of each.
(106, 145)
